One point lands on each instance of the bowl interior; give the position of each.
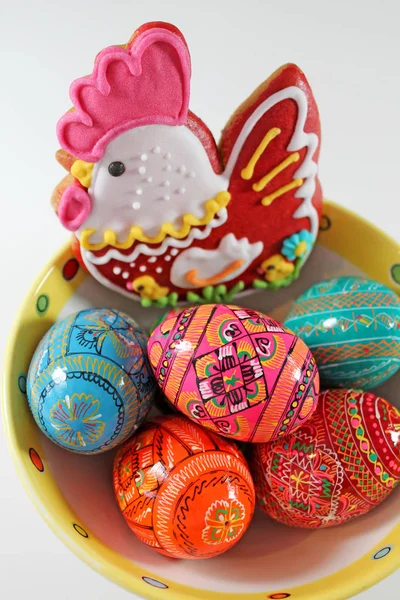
(75, 495)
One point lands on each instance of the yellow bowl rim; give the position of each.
(118, 575)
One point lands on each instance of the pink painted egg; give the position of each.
(339, 465)
(173, 312)
(235, 371)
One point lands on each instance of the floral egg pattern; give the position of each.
(90, 384)
(183, 491)
(235, 371)
(342, 463)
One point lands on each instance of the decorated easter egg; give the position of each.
(183, 491)
(352, 326)
(89, 383)
(173, 312)
(340, 464)
(235, 371)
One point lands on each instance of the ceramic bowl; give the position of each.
(74, 493)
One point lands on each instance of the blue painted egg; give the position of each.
(352, 326)
(90, 384)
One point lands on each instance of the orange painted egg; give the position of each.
(342, 463)
(183, 491)
(235, 371)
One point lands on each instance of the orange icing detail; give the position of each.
(191, 276)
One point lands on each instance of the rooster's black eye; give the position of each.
(116, 168)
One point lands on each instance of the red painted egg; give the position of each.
(183, 491)
(235, 371)
(342, 463)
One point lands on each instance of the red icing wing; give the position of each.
(270, 148)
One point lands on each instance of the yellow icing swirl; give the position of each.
(110, 238)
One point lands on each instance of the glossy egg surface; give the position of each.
(235, 371)
(342, 463)
(90, 384)
(183, 491)
(352, 326)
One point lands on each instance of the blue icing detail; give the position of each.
(322, 468)
(352, 326)
(90, 384)
(291, 244)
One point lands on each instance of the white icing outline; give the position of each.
(112, 197)
(95, 273)
(307, 171)
(169, 242)
(212, 262)
(300, 139)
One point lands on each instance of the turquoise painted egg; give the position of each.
(90, 384)
(352, 326)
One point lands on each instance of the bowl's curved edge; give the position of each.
(376, 254)
(98, 556)
(126, 573)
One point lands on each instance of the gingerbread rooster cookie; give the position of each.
(158, 212)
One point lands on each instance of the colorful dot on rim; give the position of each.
(325, 224)
(22, 383)
(382, 553)
(395, 273)
(279, 596)
(36, 460)
(80, 530)
(70, 269)
(155, 583)
(42, 304)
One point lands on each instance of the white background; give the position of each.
(350, 52)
